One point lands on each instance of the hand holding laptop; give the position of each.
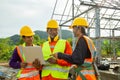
(36, 63)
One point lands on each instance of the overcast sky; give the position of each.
(16, 13)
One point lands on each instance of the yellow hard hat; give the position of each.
(79, 22)
(26, 31)
(52, 24)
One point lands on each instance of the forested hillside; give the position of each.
(42, 34)
(8, 44)
(65, 34)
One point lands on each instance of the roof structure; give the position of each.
(103, 15)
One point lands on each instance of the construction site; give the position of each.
(104, 24)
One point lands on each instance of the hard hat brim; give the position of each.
(71, 27)
(28, 34)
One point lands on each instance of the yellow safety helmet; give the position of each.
(26, 31)
(52, 24)
(79, 22)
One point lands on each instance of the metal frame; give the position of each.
(105, 16)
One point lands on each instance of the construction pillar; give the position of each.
(97, 32)
(73, 38)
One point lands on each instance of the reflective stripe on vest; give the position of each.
(90, 72)
(29, 71)
(30, 74)
(54, 69)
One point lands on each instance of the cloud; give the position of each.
(16, 13)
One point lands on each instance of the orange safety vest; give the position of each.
(86, 71)
(28, 73)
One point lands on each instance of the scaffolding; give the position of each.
(103, 17)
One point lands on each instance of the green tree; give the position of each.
(110, 47)
(116, 45)
(5, 49)
(106, 47)
(38, 40)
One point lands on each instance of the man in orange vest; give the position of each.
(28, 71)
(57, 69)
(83, 53)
